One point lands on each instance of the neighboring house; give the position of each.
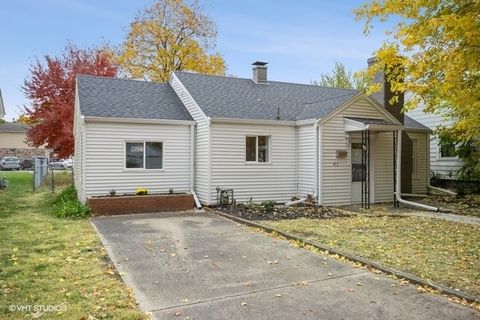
(267, 140)
(443, 161)
(13, 136)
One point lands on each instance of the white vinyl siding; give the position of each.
(336, 173)
(105, 158)
(383, 166)
(79, 151)
(419, 180)
(274, 180)
(306, 160)
(202, 141)
(446, 167)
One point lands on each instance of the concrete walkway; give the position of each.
(207, 267)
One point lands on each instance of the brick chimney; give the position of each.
(260, 72)
(385, 94)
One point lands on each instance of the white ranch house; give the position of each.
(267, 140)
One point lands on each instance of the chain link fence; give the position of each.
(40, 171)
(45, 175)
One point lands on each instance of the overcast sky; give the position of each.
(299, 39)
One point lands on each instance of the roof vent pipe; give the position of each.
(260, 72)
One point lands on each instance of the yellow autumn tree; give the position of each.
(25, 119)
(433, 53)
(171, 35)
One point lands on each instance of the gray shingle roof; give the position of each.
(122, 98)
(229, 97)
(409, 123)
(13, 127)
(414, 124)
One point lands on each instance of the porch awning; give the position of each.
(362, 124)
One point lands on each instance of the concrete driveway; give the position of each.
(203, 266)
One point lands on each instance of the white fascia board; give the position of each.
(380, 127)
(253, 121)
(137, 120)
(306, 122)
(418, 130)
(185, 94)
(353, 125)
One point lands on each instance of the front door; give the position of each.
(358, 170)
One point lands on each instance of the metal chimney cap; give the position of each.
(259, 63)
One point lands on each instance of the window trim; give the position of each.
(439, 153)
(144, 155)
(269, 146)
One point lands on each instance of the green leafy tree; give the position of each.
(341, 77)
(433, 53)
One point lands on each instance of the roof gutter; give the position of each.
(253, 121)
(418, 130)
(137, 120)
(379, 127)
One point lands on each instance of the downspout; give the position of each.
(192, 157)
(315, 128)
(198, 205)
(292, 203)
(83, 165)
(441, 190)
(296, 160)
(399, 181)
(209, 165)
(429, 186)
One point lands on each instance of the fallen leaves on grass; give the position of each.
(436, 250)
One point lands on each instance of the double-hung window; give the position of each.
(257, 149)
(144, 155)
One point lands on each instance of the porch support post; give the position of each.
(368, 169)
(362, 179)
(395, 136)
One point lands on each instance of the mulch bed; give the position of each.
(257, 212)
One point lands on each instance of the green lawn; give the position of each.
(445, 252)
(56, 263)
